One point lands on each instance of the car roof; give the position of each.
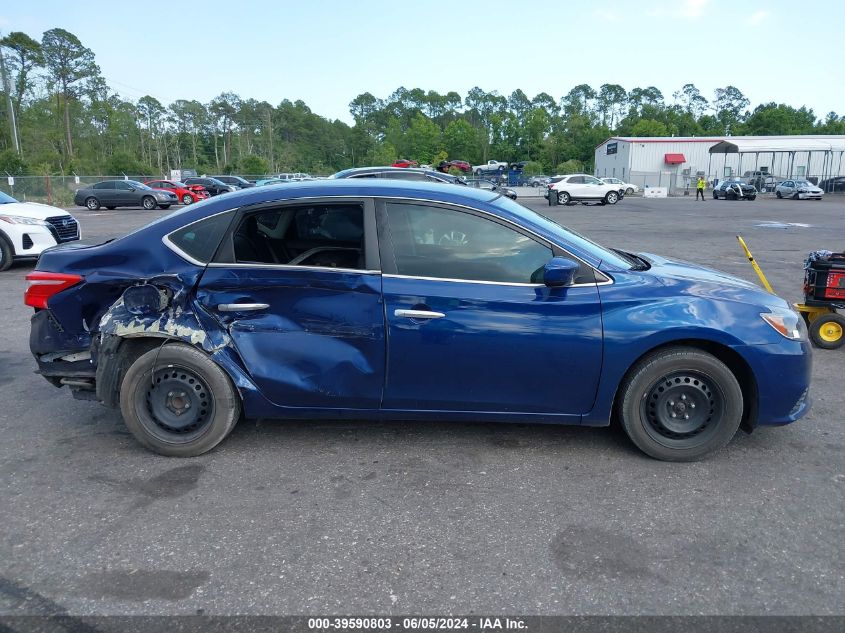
(350, 173)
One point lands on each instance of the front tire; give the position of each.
(715, 196)
(92, 203)
(178, 402)
(827, 331)
(777, 195)
(612, 197)
(7, 254)
(148, 202)
(680, 404)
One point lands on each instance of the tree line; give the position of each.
(70, 121)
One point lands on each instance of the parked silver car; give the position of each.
(798, 190)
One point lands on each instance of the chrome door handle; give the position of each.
(242, 307)
(419, 314)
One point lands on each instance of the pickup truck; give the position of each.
(492, 166)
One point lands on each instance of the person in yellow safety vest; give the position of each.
(699, 188)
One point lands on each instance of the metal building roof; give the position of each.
(798, 143)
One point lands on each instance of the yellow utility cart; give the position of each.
(824, 294)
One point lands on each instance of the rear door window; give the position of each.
(321, 235)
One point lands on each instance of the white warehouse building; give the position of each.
(676, 162)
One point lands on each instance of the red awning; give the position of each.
(675, 159)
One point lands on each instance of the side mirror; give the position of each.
(559, 272)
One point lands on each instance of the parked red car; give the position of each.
(187, 194)
(404, 162)
(446, 165)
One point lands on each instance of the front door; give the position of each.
(299, 292)
(471, 327)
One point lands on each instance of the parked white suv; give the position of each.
(584, 188)
(27, 228)
(624, 187)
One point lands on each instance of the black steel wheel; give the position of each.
(178, 402)
(148, 202)
(680, 404)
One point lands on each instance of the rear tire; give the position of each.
(178, 402)
(92, 203)
(828, 331)
(7, 254)
(611, 198)
(563, 197)
(680, 404)
(187, 199)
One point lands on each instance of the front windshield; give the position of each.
(596, 250)
(6, 199)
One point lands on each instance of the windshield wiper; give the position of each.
(637, 263)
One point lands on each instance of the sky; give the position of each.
(326, 52)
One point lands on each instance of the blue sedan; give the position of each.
(386, 299)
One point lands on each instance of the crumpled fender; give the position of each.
(162, 309)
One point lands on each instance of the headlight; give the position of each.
(16, 219)
(786, 323)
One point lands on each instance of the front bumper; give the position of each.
(782, 372)
(30, 240)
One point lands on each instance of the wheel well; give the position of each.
(732, 360)
(117, 354)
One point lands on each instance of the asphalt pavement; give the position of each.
(401, 518)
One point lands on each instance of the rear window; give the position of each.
(200, 239)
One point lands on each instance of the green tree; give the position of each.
(460, 140)
(68, 62)
(649, 127)
(26, 57)
(254, 165)
(423, 139)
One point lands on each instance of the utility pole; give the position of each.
(13, 124)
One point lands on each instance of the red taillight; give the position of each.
(43, 285)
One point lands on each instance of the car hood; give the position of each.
(32, 210)
(693, 279)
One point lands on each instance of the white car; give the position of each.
(492, 167)
(798, 189)
(584, 188)
(624, 187)
(27, 228)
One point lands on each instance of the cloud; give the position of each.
(688, 10)
(758, 17)
(607, 14)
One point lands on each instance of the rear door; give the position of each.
(298, 288)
